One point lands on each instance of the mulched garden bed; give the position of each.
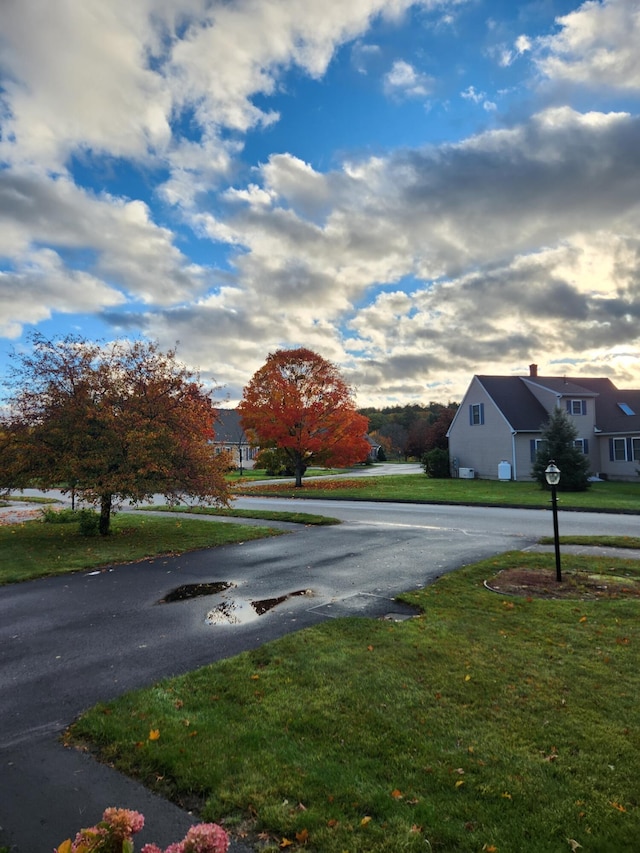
(541, 583)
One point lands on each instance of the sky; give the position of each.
(417, 191)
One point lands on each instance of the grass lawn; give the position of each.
(419, 488)
(34, 549)
(261, 474)
(488, 723)
(265, 514)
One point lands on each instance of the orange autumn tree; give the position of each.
(114, 422)
(299, 403)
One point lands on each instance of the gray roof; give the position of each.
(512, 395)
(516, 402)
(227, 427)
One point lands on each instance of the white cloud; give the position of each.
(403, 81)
(597, 46)
(42, 285)
(124, 246)
(413, 270)
(504, 220)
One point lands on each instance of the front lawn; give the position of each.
(33, 549)
(419, 488)
(488, 723)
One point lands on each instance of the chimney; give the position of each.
(533, 370)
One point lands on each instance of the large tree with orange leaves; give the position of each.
(299, 403)
(109, 422)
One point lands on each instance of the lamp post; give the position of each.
(552, 475)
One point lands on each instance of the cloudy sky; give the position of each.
(418, 191)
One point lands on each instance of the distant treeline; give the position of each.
(412, 430)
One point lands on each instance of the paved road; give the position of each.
(67, 642)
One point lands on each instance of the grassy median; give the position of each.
(487, 723)
(34, 549)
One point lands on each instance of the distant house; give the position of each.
(496, 430)
(230, 436)
(374, 449)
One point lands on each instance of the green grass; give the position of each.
(265, 514)
(488, 723)
(419, 488)
(35, 549)
(261, 474)
(632, 542)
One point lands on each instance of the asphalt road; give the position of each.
(67, 642)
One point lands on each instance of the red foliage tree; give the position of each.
(299, 403)
(115, 422)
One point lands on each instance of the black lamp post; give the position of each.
(552, 474)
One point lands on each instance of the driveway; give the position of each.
(68, 642)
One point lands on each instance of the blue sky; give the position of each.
(419, 191)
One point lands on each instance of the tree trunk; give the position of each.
(299, 471)
(105, 515)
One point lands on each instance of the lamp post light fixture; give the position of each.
(552, 475)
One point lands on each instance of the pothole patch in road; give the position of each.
(232, 609)
(195, 590)
(236, 611)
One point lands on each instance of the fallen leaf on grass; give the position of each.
(303, 836)
(365, 820)
(618, 807)
(396, 794)
(154, 734)
(573, 844)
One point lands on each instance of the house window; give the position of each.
(618, 450)
(624, 449)
(476, 414)
(535, 445)
(577, 407)
(582, 444)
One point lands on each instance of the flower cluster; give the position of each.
(113, 835)
(203, 838)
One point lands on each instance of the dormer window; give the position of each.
(576, 407)
(626, 408)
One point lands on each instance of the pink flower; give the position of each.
(151, 848)
(176, 847)
(91, 838)
(124, 821)
(206, 838)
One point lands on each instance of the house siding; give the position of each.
(477, 445)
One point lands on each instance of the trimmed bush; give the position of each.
(436, 464)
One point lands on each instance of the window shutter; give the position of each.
(470, 415)
(584, 406)
(568, 407)
(532, 449)
(611, 454)
(481, 413)
(586, 446)
(629, 449)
